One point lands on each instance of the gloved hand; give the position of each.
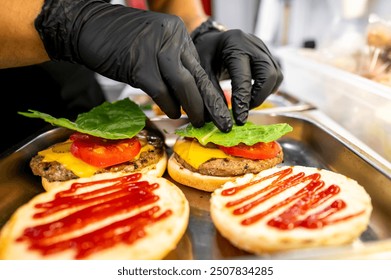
(148, 50)
(245, 58)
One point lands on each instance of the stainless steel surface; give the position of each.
(311, 143)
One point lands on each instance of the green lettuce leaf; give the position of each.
(248, 133)
(118, 120)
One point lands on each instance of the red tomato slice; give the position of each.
(257, 151)
(228, 96)
(101, 152)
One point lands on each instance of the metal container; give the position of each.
(360, 105)
(315, 141)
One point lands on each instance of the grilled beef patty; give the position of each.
(55, 171)
(234, 166)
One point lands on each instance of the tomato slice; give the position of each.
(102, 152)
(257, 151)
(228, 96)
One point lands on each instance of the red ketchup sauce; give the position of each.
(118, 196)
(313, 195)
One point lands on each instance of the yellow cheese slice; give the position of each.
(61, 153)
(195, 154)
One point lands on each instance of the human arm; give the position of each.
(148, 50)
(190, 11)
(20, 41)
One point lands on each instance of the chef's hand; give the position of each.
(148, 50)
(254, 73)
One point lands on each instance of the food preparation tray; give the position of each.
(311, 143)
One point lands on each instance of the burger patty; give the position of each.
(233, 166)
(55, 171)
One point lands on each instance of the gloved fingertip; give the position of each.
(241, 119)
(197, 124)
(224, 124)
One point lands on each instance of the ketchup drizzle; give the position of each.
(118, 196)
(314, 194)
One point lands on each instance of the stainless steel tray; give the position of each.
(312, 143)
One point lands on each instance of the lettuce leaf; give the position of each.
(118, 120)
(249, 133)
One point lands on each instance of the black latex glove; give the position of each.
(148, 50)
(254, 73)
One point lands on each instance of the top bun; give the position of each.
(278, 210)
(129, 217)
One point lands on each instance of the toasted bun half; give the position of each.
(130, 217)
(196, 180)
(278, 210)
(208, 168)
(156, 169)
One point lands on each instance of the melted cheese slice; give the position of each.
(61, 153)
(195, 154)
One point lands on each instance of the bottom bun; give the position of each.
(130, 217)
(192, 179)
(156, 170)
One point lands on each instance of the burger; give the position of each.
(206, 158)
(113, 139)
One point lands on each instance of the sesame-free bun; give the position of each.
(156, 169)
(144, 222)
(192, 179)
(208, 168)
(254, 213)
